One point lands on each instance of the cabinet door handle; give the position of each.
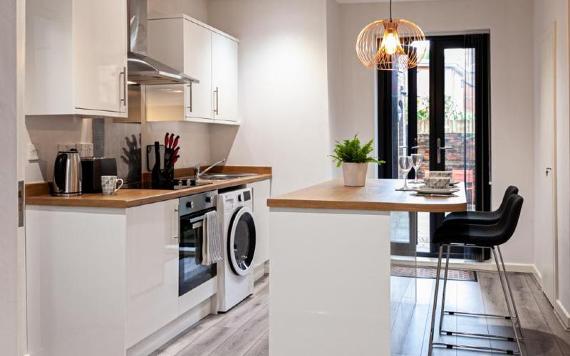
(190, 98)
(217, 101)
(174, 227)
(123, 84)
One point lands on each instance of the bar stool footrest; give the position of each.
(478, 335)
(476, 348)
(477, 315)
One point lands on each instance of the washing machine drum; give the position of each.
(241, 241)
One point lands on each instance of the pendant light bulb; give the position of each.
(390, 42)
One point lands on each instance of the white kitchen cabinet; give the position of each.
(198, 64)
(225, 77)
(152, 268)
(76, 57)
(201, 52)
(104, 281)
(261, 192)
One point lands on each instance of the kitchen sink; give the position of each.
(225, 176)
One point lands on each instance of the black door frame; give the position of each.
(386, 117)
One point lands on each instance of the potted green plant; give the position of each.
(354, 158)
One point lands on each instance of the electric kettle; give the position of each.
(67, 174)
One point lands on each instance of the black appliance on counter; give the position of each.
(92, 169)
(191, 212)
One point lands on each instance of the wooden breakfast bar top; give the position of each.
(377, 195)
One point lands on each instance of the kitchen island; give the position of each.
(330, 266)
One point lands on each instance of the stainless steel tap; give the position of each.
(200, 173)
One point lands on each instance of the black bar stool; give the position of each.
(490, 234)
(483, 217)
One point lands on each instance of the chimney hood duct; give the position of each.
(142, 68)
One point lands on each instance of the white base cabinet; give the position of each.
(75, 63)
(261, 192)
(201, 52)
(102, 280)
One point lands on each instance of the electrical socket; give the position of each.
(85, 149)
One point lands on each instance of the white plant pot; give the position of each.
(354, 174)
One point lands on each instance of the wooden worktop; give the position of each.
(378, 194)
(127, 198)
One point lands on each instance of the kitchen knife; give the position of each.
(167, 141)
(175, 144)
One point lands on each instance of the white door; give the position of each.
(100, 55)
(545, 174)
(198, 64)
(225, 77)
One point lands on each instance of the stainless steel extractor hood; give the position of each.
(142, 68)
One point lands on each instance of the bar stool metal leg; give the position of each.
(515, 329)
(511, 316)
(444, 288)
(434, 307)
(518, 320)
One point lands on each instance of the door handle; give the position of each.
(190, 98)
(217, 101)
(441, 148)
(548, 171)
(123, 84)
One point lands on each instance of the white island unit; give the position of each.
(330, 266)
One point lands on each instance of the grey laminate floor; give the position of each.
(244, 330)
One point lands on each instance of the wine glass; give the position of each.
(417, 160)
(405, 164)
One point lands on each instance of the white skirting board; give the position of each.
(176, 327)
(260, 270)
(472, 266)
(562, 314)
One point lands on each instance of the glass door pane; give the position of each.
(459, 118)
(400, 223)
(422, 141)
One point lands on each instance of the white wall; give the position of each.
(194, 141)
(46, 133)
(195, 8)
(282, 85)
(511, 87)
(8, 178)
(546, 13)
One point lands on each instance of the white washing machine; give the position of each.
(235, 273)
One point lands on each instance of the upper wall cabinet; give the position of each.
(204, 53)
(76, 57)
(224, 77)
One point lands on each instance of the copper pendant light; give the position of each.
(388, 44)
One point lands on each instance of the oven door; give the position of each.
(241, 241)
(191, 273)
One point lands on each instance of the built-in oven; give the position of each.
(191, 214)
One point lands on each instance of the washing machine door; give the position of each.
(241, 241)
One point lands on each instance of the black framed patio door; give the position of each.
(441, 110)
